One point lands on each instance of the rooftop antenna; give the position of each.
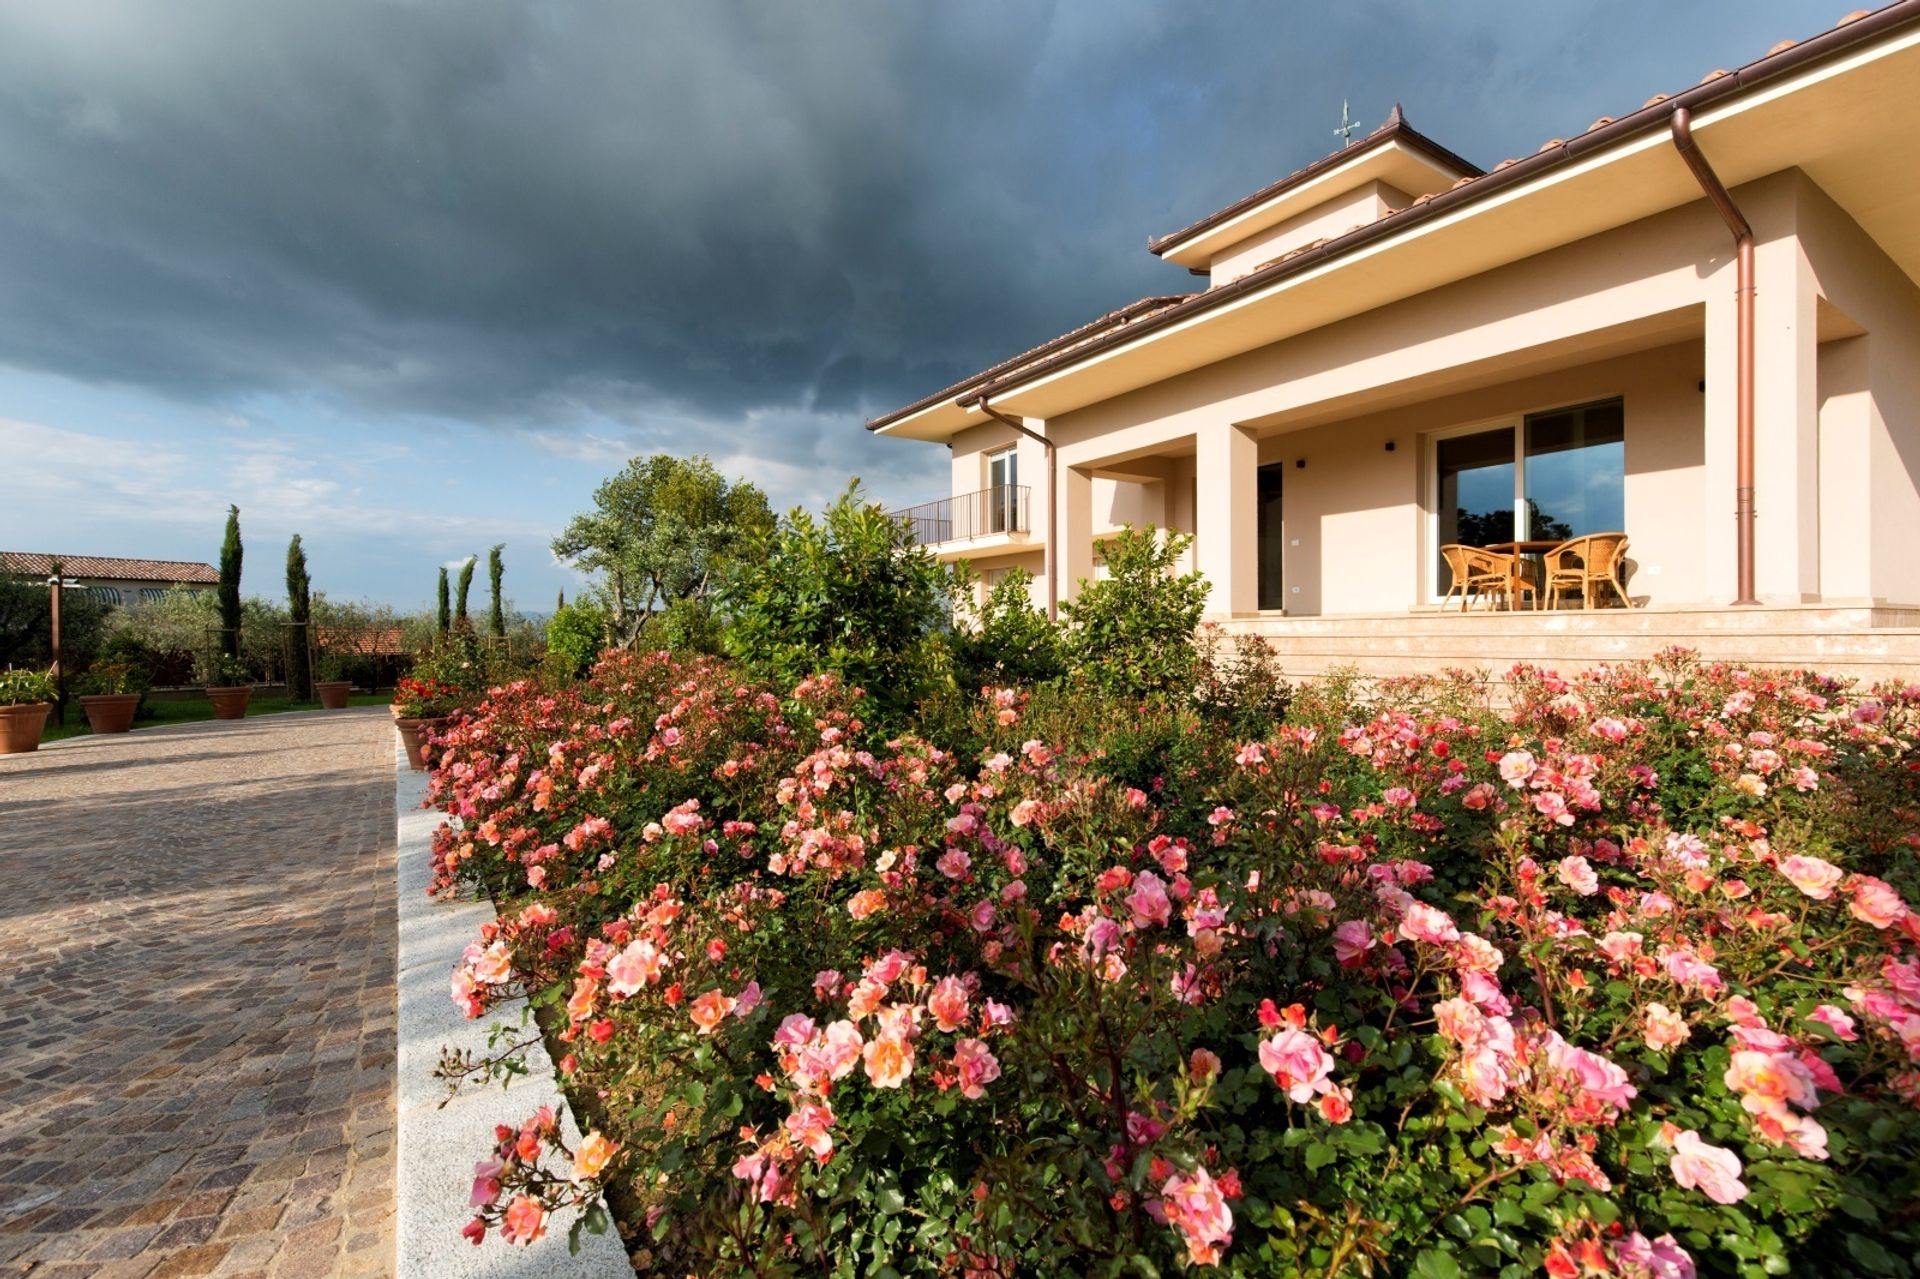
(1347, 125)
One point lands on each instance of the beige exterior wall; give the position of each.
(1357, 532)
(1644, 312)
(1364, 204)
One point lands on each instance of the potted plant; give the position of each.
(110, 694)
(420, 708)
(229, 685)
(26, 699)
(332, 689)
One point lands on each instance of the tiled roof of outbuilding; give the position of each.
(35, 564)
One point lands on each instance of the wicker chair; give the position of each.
(1585, 563)
(1480, 572)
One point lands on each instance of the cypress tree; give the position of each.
(229, 591)
(460, 618)
(560, 600)
(496, 619)
(300, 613)
(446, 609)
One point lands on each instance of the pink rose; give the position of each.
(1422, 922)
(1148, 901)
(1836, 1020)
(948, 1004)
(1665, 1028)
(1812, 876)
(1714, 1171)
(1297, 1063)
(810, 1125)
(1576, 873)
(976, 1065)
(1351, 941)
(1195, 1206)
(1875, 902)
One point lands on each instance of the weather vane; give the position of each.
(1347, 125)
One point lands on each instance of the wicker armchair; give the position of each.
(1584, 564)
(1481, 572)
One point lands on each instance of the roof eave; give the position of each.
(1654, 115)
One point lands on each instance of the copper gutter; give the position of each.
(1655, 115)
(1743, 344)
(1053, 503)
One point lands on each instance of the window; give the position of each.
(152, 594)
(1003, 492)
(1272, 539)
(1556, 475)
(105, 594)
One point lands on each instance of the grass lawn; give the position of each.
(198, 708)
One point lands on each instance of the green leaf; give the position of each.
(1319, 1155)
(890, 1200)
(1871, 1255)
(1434, 1264)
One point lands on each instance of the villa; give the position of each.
(1693, 328)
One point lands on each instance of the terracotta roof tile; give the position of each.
(34, 564)
(1053, 346)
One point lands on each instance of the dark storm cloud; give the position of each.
(667, 212)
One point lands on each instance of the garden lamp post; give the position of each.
(54, 587)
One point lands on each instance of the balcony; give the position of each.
(973, 522)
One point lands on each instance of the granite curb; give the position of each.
(438, 1145)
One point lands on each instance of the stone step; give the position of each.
(1841, 642)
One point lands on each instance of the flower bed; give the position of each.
(1624, 980)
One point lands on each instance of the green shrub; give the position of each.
(575, 635)
(851, 595)
(112, 679)
(23, 687)
(1004, 640)
(1131, 635)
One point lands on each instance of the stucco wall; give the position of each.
(1870, 395)
(1357, 534)
(1364, 204)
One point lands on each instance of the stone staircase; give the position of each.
(1867, 643)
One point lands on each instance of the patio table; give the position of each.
(1530, 546)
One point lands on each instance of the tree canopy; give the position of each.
(660, 533)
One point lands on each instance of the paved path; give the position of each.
(197, 1001)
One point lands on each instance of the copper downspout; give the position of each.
(1053, 506)
(1743, 343)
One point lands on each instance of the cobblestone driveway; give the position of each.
(197, 1001)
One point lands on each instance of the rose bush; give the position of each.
(1624, 979)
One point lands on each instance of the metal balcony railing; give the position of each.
(1005, 508)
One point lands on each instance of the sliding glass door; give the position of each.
(1476, 478)
(1550, 477)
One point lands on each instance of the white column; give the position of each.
(1075, 530)
(1226, 518)
(1786, 424)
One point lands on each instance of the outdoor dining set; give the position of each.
(1541, 571)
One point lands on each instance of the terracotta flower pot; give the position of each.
(333, 693)
(110, 712)
(230, 703)
(20, 726)
(414, 734)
